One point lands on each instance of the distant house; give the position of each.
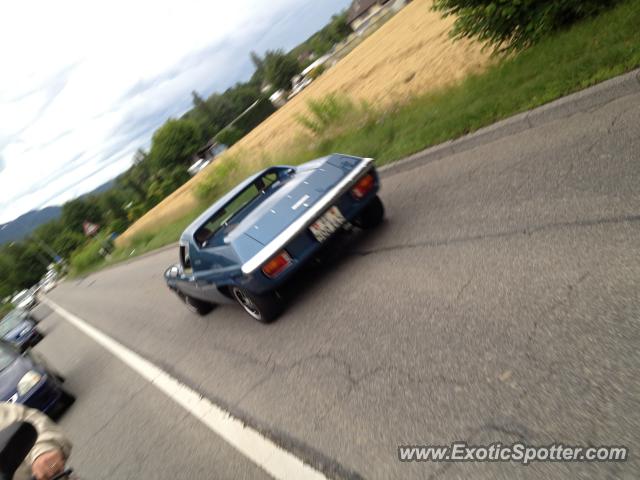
(362, 11)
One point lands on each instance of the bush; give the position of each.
(224, 174)
(254, 116)
(325, 113)
(512, 25)
(88, 256)
(118, 226)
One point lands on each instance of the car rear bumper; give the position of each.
(32, 341)
(304, 246)
(45, 395)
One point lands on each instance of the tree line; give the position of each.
(156, 173)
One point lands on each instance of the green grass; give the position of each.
(590, 52)
(88, 259)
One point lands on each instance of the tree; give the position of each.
(22, 266)
(229, 135)
(338, 29)
(174, 143)
(66, 242)
(204, 115)
(242, 96)
(7, 271)
(279, 68)
(222, 110)
(76, 212)
(112, 203)
(508, 25)
(140, 157)
(323, 40)
(258, 75)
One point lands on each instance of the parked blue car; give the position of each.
(19, 329)
(255, 237)
(26, 379)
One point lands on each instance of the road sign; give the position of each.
(90, 229)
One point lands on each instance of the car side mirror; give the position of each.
(16, 441)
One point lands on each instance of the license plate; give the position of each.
(327, 224)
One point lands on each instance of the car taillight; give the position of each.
(277, 264)
(363, 186)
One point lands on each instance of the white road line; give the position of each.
(274, 460)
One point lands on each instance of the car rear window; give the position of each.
(10, 321)
(223, 219)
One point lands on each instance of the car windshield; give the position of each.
(7, 356)
(226, 214)
(10, 321)
(19, 297)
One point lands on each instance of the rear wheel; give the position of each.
(372, 215)
(199, 307)
(263, 308)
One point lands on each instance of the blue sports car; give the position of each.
(26, 379)
(255, 237)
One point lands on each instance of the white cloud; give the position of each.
(85, 83)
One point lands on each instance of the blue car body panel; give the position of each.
(24, 334)
(277, 220)
(42, 396)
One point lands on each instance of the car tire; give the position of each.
(263, 308)
(67, 399)
(199, 307)
(372, 215)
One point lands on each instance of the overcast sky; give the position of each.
(83, 84)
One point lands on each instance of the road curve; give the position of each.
(500, 302)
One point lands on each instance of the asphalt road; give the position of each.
(500, 301)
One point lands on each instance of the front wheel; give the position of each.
(372, 215)
(263, 308)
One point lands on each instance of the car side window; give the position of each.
(268, 180)
(185, 259)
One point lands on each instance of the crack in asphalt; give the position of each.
(506, 427)
(506, 234)
(509, 428)
(461, 291)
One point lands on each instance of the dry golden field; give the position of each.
(409, 55)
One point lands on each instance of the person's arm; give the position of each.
(52, 447)
(50, 436)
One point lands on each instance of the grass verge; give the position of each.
(588, 53)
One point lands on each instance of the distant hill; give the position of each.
(25, 224)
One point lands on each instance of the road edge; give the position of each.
(581, 101)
